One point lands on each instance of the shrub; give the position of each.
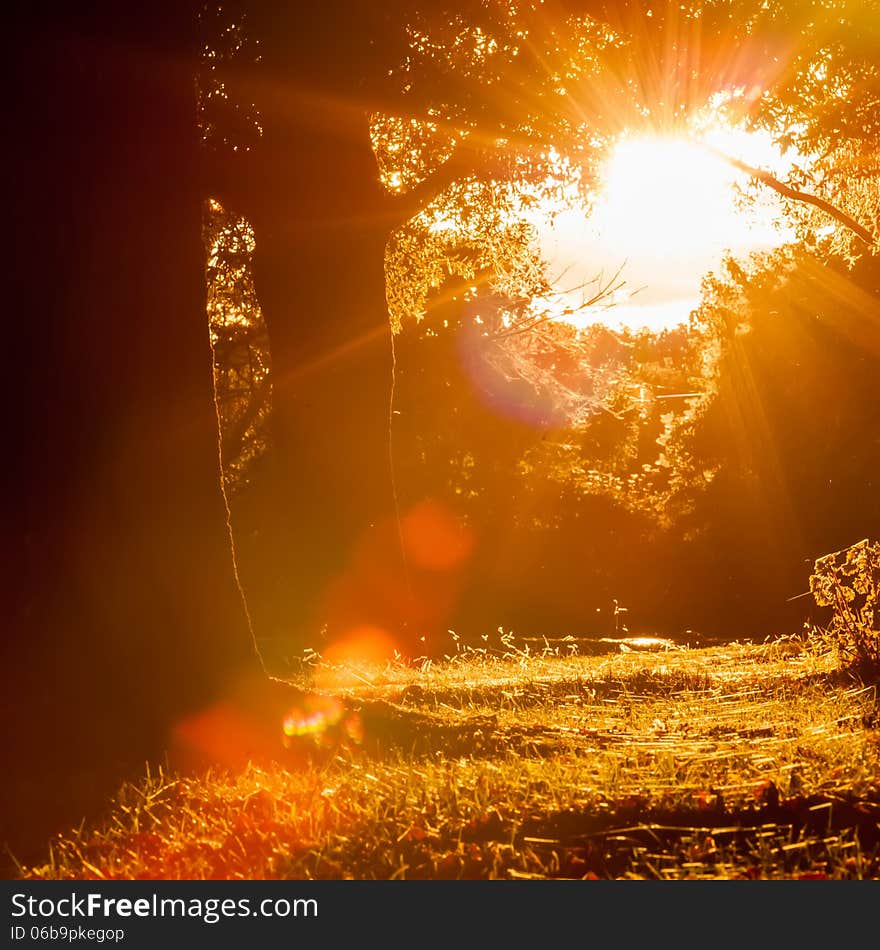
(848, 581)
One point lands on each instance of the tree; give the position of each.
(476, 96)
(121, 610)
(791, 434)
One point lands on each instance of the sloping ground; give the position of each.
(737, 762)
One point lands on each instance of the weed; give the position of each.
(848, 581)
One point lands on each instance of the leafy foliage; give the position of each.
(619, 404)
(824, 104)
(624, 428)
(228, 122)
(239, 344)
(499, 113)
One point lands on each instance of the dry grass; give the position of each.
(748, 761)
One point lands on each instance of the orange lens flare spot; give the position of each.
(222, 734)
(365, 645)
(434, 538)
(349, 661)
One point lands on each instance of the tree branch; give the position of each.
(466, 161)
(605, 290)
(804, 197)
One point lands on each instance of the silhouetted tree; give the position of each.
(499, 83)
(121, 614)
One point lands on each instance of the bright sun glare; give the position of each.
(664, 195)
(666, 212)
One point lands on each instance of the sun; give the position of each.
(667, 209)
(665, 196)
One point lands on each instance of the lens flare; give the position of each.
(355, 658)
(223, 734)
(322, 719)
(434, 538)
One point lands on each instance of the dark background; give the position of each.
(113, 528)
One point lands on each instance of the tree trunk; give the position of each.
(124, 612)
(321, 221)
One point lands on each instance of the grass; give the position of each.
(742, 761)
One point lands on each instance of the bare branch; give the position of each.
(605, 290)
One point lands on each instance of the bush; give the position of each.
(848, 581)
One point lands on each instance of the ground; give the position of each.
(738, 761)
